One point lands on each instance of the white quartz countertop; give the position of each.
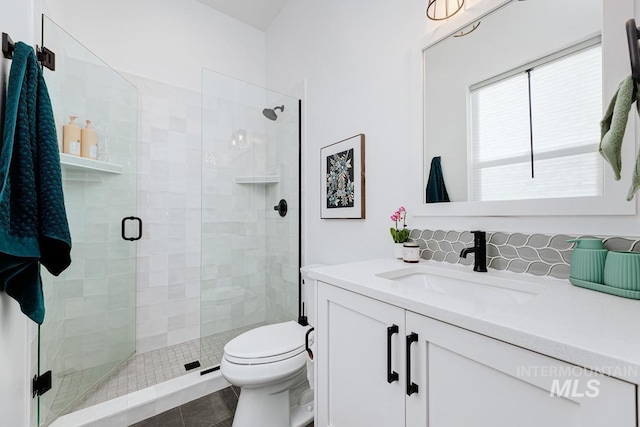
(587, 328)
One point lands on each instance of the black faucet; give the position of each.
(479, 250)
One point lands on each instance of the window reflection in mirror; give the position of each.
(534, 132)
(513, 109)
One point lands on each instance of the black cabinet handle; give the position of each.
(391, 375)
(411, 386)
(124, 222)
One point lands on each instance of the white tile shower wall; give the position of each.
(169, 171)
(85, 294)
(282, 233)
(233, 247)
(90, 306)
(197, 280)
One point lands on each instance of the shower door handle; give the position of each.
(124, 222)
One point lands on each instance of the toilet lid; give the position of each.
(267, 344)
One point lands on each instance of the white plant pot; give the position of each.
(398, 250)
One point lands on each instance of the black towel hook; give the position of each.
(45, 56)
(633, 34)
(7, 46)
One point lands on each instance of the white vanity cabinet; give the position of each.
(446, 376)
(352, 383)
(468, 379)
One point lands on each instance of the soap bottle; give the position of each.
(71, 137)
(89, 142)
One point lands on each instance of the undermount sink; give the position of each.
(469, 290)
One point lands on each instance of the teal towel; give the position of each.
(33, 221)
(612, 129)
(436, 190)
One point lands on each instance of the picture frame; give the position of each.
(343, 179)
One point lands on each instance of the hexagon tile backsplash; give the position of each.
(536, 254)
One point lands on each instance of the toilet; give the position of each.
(269, 365)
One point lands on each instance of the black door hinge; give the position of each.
(41, 384)
(46, 57)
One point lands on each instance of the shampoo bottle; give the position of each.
(89, 142)
(71, 137)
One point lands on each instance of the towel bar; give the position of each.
(633, 34)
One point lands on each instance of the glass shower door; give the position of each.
(250, 253)
(89, 326)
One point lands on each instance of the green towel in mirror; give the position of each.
(436, 189)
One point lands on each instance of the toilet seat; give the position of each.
(266, 344)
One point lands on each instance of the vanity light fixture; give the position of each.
(439, 10)
(463, 33)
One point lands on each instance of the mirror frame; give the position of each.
(616, 60)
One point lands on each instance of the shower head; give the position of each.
(270, 113)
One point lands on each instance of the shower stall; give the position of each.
(228, 193)
(250, 247)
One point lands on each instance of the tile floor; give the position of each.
(214, 410)
(143, 370)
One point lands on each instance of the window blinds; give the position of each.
(566, 107)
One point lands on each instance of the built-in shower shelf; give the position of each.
(81, 163)
(273, 179)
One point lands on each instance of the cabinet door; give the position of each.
(352, 385)
(474, 380)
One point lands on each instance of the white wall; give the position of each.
(16, 330)
(165, 40)
(356, 57)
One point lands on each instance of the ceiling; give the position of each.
(257, 13)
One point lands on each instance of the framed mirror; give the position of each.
(512, 108)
